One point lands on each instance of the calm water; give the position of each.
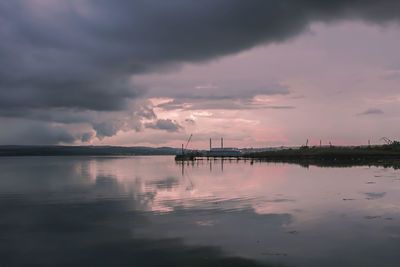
(150, 211)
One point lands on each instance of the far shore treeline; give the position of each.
(85, 151)
(333, 152)
(339, 154)
(387, 155)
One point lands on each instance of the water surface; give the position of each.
(150, 211)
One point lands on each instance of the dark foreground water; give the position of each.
(150, 211)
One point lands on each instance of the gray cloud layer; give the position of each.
(227, 104)
(372, 111)
(167, 125)
(39, 133)
(78, 55)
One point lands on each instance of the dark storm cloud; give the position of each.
(86, 137)
(392, 76)
(167, 125)
(79, 55)
(372, 195)
(28, 132)
(110, 127)
(372, 111)
(105, 129)
(146, 112)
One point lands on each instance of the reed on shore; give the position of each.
(332, 152)
(340, 156)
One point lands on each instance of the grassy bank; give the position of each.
(334, 156)
(334, 152)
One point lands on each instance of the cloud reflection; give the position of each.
(120, 211)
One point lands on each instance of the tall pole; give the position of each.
(182, 150)
(222, 142)
(210, 144)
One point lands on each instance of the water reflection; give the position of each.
(150, 211)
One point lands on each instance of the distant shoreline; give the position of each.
(15, 151)
(332, 156)
(332, 153)
(382, 155)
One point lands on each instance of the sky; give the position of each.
(258, 73)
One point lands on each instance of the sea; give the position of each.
(153, 211)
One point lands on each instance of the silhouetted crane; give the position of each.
(190, 138)
(387, 140)
(391, 142)
(189, 156)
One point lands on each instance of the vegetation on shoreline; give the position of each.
(388, 151)
(334, 156)
(338, 163)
